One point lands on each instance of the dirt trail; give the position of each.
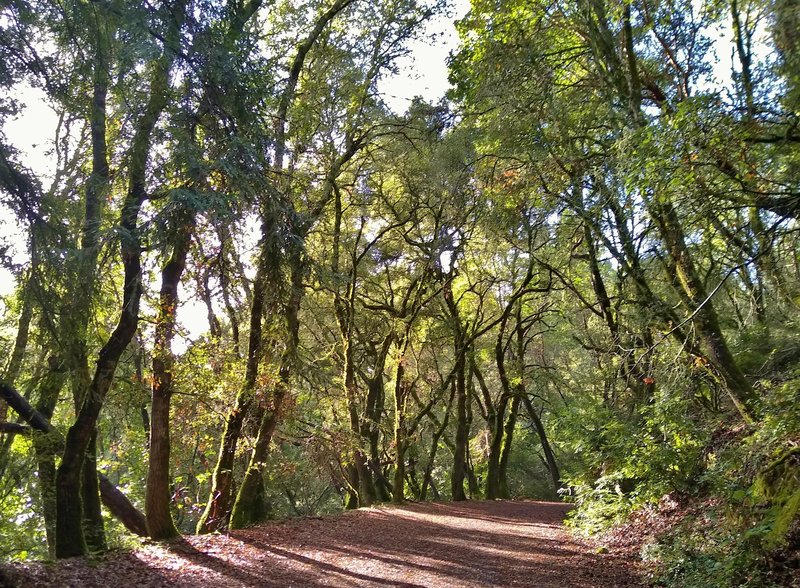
(464, 545)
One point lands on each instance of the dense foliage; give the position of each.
(575, 277)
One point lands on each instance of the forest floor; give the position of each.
(463, 545)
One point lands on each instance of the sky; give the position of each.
(423, 72)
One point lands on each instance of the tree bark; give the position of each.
(344, 308)
(624, 80)
(48, 445)
(493, 489)
(427, 480)
(157, 498)
(220, 503)
(459, 470)
(724, 366)
(400, 395)
(376, 397)
(508, 442)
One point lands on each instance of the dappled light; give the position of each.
(500, 544)
(378, 292)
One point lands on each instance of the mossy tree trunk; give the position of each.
(116, 502)
(251, 505)
(549, 455)
(220, 502)
(441, 427)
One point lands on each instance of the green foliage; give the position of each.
(528, 477)
(750, 513)
(629, 461)
(299, 482)
(21, 523)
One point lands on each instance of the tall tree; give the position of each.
(69, 533)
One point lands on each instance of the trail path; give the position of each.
(464, 545)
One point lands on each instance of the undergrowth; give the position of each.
(737, 517)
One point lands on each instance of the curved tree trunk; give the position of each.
(459, 471)
(493, 489)
(723, 365)
(472, 479)
(371, 429)
(70, 539)
(251, 506)
(47, 446)
(495, 449)
(14, 365)
(427, 479)
(220, 502)
(77, 305)
(623, 78)
(399, 478)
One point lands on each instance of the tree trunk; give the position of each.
(493, 489)
(215, 517)
(14, 365)
(157, 498)
(47, 446)
(706, 322)
(549, 456)
(459, 471)
(361, 479)
(472, 480)
(93, 525)
(75, 315)
(251, 504)
(495, 449)
(427, 480)
(221, 499)
(400, 394)
(505, 455)
(220, 503)
(461, 437)
(373, 413)
(78, 366)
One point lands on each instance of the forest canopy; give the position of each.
(575, 277)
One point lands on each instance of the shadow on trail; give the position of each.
(463, 545)
(428, 542)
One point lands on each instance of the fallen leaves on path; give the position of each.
(464, 545)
